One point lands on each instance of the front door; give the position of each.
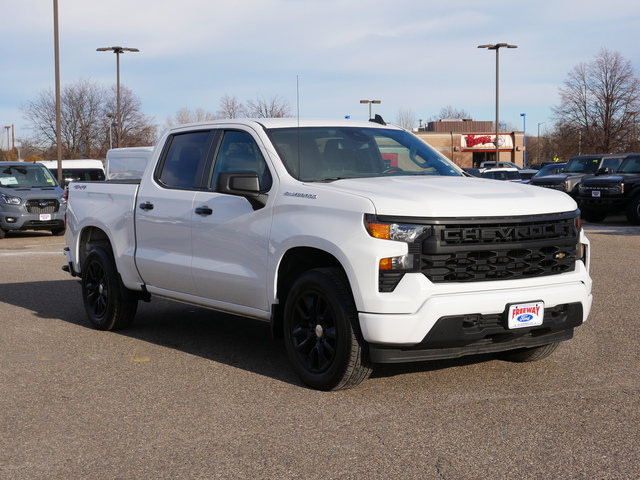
(230, 237)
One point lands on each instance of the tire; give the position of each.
(527, 354)
(593, 216)
(57, 232)
(2, 233)
(633, 210)
(322, 334)
(104, 297)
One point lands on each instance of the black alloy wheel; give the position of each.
(322, 333)
(104, 296)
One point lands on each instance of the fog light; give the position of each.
(404, 262)
(11, 219)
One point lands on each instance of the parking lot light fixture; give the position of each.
(370, 102)
(118, 51)
(497, 47)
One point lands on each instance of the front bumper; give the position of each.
(31, 221)
(603, 203)
(396, 330)
(454, 337)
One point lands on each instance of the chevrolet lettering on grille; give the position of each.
(505, 234)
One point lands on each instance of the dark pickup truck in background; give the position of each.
(577, 169)
(600, 195)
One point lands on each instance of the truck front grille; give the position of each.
(47, 205)
(604, 189)
(499, 249)
(477, 250)
(498, 264)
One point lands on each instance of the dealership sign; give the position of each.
(485, 142)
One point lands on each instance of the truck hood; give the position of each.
(557, 178)
(613, 179)
(27, 193)
(453, 196)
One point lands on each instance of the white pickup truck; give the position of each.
(356, 240)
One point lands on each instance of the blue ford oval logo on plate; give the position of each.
(524, 315)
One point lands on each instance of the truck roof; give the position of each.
(84, 163)
(291, 122)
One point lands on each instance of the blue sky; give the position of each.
(417, 55)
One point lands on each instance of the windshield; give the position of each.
(333, 153)
(26, 176)
(630, 165)
(549, 170)
(582, 165)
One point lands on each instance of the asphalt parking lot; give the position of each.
(186, 393)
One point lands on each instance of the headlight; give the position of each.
(10, 200)
(401, 232)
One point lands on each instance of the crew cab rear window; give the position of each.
(184, 158)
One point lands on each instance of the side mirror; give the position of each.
(603, 171)
(243, 184)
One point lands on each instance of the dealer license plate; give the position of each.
(45, 217)
(523, 315)
(595, 193)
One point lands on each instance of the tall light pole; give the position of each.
(497, 48)
(8, 128)
(370, 102)
(118, 51)
(524, 138)
(110, 116)
(56, 51)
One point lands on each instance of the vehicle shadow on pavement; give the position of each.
(240, 342)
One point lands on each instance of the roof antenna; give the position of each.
(378, 119)
(298, 114)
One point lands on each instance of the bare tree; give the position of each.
(406, 118)
(184, 115)
(138, 129)
(275, 107)
(230, 107)
(450, 112)
(599, 104)
(84, 128)
(80, 105)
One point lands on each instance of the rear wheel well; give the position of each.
(294, 263)
(92, 237)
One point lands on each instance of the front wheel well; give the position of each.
(294, 263)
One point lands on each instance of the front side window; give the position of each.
(333, 153)
(240, 153)
(184, 158)
(612, 163)
(630, 165)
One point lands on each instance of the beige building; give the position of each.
(468, 143)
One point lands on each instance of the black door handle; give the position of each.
(204, 210)
(146, 206)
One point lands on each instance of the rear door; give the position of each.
(164, 211)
